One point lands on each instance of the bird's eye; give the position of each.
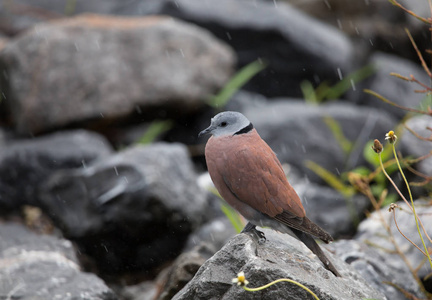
(223, 124)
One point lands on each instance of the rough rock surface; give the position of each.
(372, 231)
(264, 263)
(375, 268)
(103, 69)
(276, 33)
(39, 267)
(130, 211)
(25, 164)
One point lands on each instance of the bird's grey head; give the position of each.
(228, 123)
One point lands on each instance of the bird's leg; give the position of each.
(259, 234)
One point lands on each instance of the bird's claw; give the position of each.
(258, 234)
(261, 237)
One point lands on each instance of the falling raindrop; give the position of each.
(339, 23)
(228, 35)
(76, 47)
(303, 148)
(339, 71)
(84, 164)
(275, 3)
(181, 51)
(327, 3)
(115, 170)
(357, 30)
(353, 84)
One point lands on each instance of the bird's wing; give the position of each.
(255, 177)
(254, 174)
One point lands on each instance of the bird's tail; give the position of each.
(316, 249)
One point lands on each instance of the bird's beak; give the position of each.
(205, 131)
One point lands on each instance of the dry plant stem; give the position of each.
(395, 104)
(402, 196)
(425, 66)
(369, 194)
(415, 80)
(424, 20)
(281, 280)
(417, 135)
(413, 207)
(407, 294)
(397, 226)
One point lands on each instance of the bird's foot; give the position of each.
(258, 234)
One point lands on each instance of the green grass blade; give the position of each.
(239, 79)
(338, 134)
(155, 129)
(331, 179)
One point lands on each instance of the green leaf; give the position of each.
(155, 129)
(308, 92)
(337, 132)
(362, 170)
(239, 79)
(232, 215)
(331, 179)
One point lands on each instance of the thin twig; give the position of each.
(424, 20)
(425, 66)
(429, 139)
(393, 209)
(382, 98)
(402, 196)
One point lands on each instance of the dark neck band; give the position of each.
(245, 130)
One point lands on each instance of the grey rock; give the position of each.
(415, 146)
(297, 133)
(396, 90)
(375, 267)
(146, 290)
(100, 69)
(131, 211)
(184, 269)
(216, 232)
(372, 231)
(38, 267)
(296, 46)
(280, 257)
(19, 15)
(25, 164)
